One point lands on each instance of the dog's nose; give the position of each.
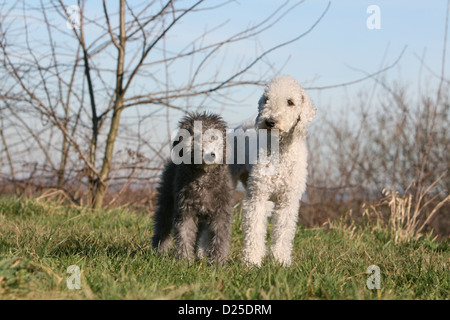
(213, 155)
(270, 123)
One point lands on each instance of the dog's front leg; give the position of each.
(254, 225)
(284, 222)
(220, 232)
(185, 235)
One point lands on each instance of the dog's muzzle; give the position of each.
(268, 123)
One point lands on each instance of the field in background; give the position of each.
(40, 239)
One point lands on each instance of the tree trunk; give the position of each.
(109, 151)
(117, 110)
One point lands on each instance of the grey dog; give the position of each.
(196, 199)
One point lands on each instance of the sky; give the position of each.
(340, 49)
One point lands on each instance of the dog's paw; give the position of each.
(252, 258)
(281, 256)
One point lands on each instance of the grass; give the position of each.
(39, 240)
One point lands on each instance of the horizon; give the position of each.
(335, 61)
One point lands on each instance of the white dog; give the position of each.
(286, 107)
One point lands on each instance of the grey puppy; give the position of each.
(196, 199)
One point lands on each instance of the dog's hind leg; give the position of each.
(163, 228)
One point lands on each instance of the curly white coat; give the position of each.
(287, 107)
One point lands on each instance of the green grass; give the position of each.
(39, 240)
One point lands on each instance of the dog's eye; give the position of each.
(266, 99)
(290, 103)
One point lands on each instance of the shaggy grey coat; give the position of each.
(196, 200)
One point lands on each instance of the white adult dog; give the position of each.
(286, 107)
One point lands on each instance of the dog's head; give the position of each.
(202, 136)
(285, 106)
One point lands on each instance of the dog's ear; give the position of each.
(308, 110)
(307, 114)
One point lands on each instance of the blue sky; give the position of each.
(342, 41)
(339, 46)
(330, 54)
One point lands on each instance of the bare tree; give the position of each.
(84, 81)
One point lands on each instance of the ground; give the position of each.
(39, 240)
